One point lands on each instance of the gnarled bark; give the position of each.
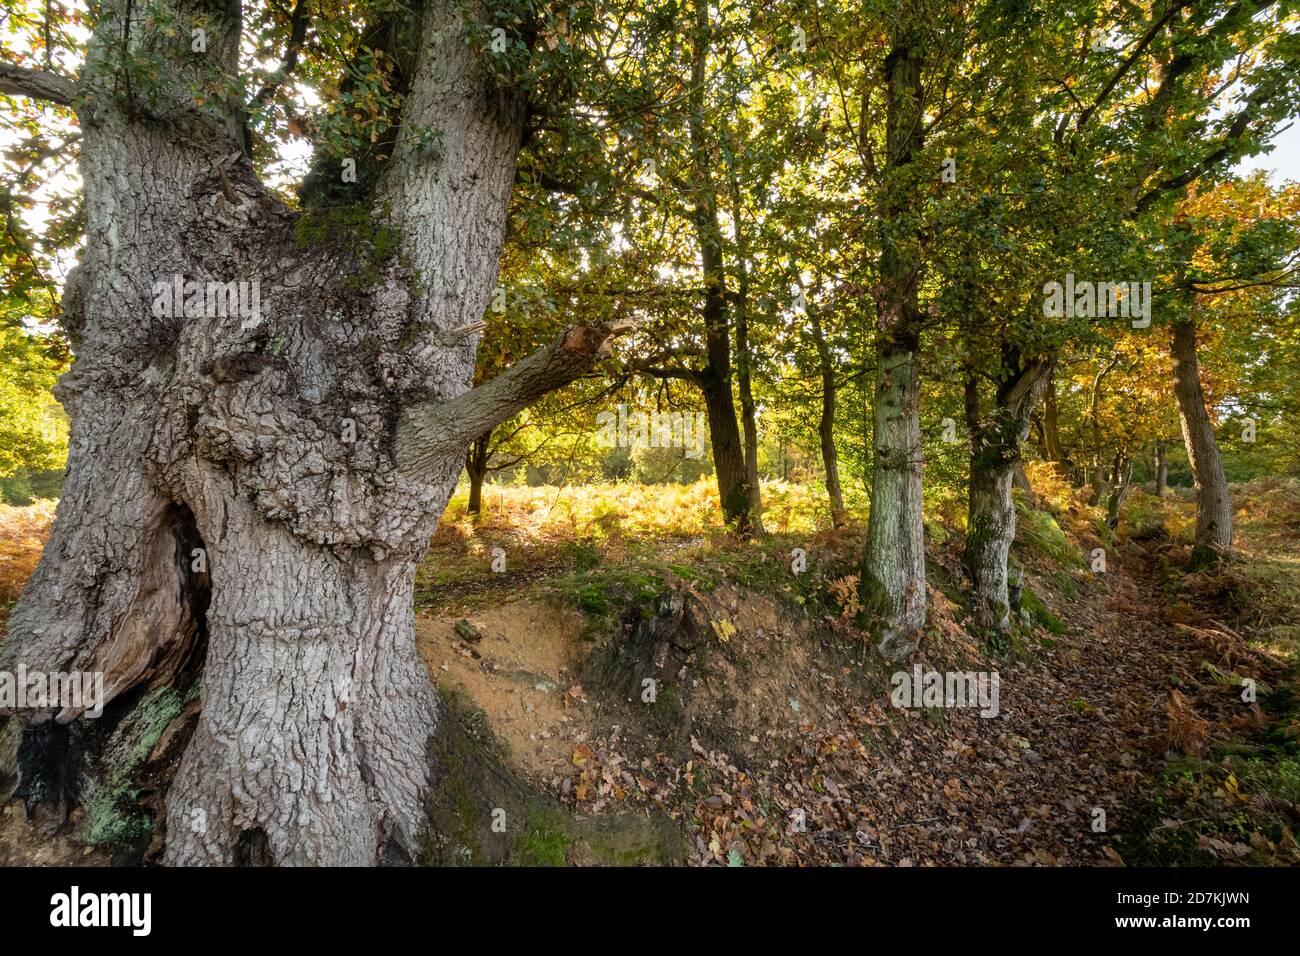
(310, 446)
(997, 439)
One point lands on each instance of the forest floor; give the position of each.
(1121, 735)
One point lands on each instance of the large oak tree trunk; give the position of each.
(1213, 505)
(306, 451)
(989, 536)
(893, 579)
(317, 713)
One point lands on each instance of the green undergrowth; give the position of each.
(1234, 805)
(603, 589)
(1039, 537)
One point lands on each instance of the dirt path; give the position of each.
(1081, 725)
(517, 666)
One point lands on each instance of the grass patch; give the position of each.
(1039, 535)
(543, 845)
(1036, 612)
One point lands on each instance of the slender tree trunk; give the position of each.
(1161, 469)
(266, 479)
(1099, 484)
(749, 419)
(728, 453)
(734, 491)
(475, 504)
(1121, 481)
(744, 362)
(1052, 431)
(997, 441)
(893, 578)
(1213, 504)
(476, 467)
(830, 457)
(826, 424)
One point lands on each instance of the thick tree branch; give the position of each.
(1124, 67)
(1241, 124)
(1024, 393)
(665, 371)
(39, 85)
(428, 432)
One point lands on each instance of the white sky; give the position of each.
(1283, 163)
